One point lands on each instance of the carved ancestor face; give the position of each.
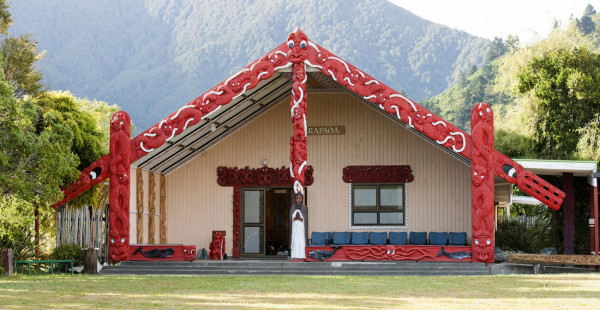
(300, 73)
(217, 235)
(189, 252)
(484, 112)
(120, 121)
(390, 251)
(118, 244)
(297, 43)
(482, 246)
(478, 175)
(276, 59)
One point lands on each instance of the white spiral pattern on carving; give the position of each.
(343, 62)
(310, 64)
(406, 99)
(347, 79)
(145, 149)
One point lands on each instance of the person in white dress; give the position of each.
(299, 217)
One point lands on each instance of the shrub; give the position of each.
(2, 271)
(69, 251)
(514, 235)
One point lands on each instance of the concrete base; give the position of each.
(521, 268)
(273, 267)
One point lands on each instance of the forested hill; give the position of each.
(496, 81)
(151, 57)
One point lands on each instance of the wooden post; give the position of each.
(151, 208)
(7, 261)
(90, 262)
(482, 183)
(36, 213)
(139, 205)
(163, 210)
(593, 204)
(569, 214)
(119, 166)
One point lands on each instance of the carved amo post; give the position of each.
(139, 185)
(151, 207)
(120, 126)
(298, 42)
(482, 186)
(163, 210)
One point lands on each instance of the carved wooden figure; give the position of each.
(217, 246)
(482, 178)
(120, 125)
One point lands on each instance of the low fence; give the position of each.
(523, 219)
(86, 226)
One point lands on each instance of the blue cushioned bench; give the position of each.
(376, 245)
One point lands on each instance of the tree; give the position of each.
(566, 86)
(589, 10)
(586, 25)
(589, 142)
(20, 54)
(46, 138)
(512, 43)
(5, 18)
(497, 49)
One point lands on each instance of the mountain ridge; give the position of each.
(153, 57)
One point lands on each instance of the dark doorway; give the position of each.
(265, 226)
(277, 225)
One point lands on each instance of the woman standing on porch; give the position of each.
(299, 216)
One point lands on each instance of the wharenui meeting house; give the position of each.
(383, 178)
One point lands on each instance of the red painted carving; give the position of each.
(420, 118)
(236, 221)
(180, 252)
(387, 99)
(377, 174)
(253, 177)
(217, 246)
(258, 177)
(530, 183)
(298, 44)
(202, 107)
(390, 253)
(120, 125)
(92, 175)
(344, 73)
(189, 253)
(482, 179)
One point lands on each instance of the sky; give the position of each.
(530, 20)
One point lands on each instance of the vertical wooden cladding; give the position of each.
(163, 210)
(438, 198)
(143, 224)
(139, 182)
(151, 208)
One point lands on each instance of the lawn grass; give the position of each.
(300, 292)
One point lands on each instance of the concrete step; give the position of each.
(239, 263)
(240, 267)
(179, 271)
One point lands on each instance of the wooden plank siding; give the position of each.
(438, 198)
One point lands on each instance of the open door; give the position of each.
(265, 225)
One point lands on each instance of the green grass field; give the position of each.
(300, 292)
